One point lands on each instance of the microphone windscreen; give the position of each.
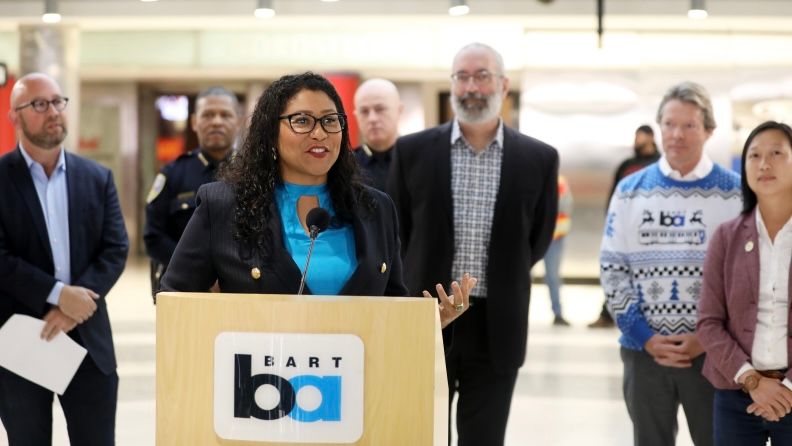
(319, 218)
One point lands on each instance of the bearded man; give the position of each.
(475, 196)
(63, 246)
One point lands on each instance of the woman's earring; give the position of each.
(274, 154)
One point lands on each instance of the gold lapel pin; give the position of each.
(749, 246)
(255, 273)
(383, 268)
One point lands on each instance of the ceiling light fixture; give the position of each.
(265, 10)
(458, 7)
(51, 14)
(697, 10)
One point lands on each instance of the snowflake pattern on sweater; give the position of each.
(653, 249)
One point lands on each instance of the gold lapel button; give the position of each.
(383, 268)
(255, 273)
(749, 246)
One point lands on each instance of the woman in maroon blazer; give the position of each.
(744, 311)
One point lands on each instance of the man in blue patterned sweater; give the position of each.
(658, 225)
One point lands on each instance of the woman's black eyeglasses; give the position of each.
(305, 123)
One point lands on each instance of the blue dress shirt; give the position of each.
(53, 195)
(333, 260)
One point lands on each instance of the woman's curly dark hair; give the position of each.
(254, 172)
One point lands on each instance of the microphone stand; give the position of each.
(314, 232)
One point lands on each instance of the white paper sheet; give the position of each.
(50, 364)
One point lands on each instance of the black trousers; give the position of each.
(483, 394)
(89, 406)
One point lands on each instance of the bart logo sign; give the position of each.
(287, 387)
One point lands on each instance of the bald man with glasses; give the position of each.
(63, 246)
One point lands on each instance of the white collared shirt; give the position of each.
(456, 133)
(769, 351)
(53, 197)
(702, 169)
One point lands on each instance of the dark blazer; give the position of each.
(207, 252)
(97, 240)
(522, 226)
(729, 303)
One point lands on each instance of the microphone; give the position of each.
(317, 221)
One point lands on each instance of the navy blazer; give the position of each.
(97, 240)
(522, 227)
(729, 305)
(208, 252)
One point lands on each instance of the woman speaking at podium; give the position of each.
(249, 231)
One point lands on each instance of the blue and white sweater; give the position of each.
(653, 249)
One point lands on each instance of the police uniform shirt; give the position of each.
(374, 166)
(171, 202)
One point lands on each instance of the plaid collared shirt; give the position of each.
(475, 179)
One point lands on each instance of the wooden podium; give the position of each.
(405, 390)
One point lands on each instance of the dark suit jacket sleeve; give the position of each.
(107, 264)
(21, 280)
(546, 213)
(395, 285)
(713, 317)
(191, 267)
(397, 189)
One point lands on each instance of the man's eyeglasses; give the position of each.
(305, 123)
(42, 105)
(481, 77)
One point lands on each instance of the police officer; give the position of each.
(171, 201)
(377, 108)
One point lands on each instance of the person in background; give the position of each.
(171, 201)
(659, 223)
(63, 246)
(475, 195)
(377, 108)
(249, 230)
(744, 310)
(552, 259)
(645, 153)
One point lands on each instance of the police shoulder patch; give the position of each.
(156, 188)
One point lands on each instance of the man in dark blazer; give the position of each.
(474, 196)
(63, 245)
